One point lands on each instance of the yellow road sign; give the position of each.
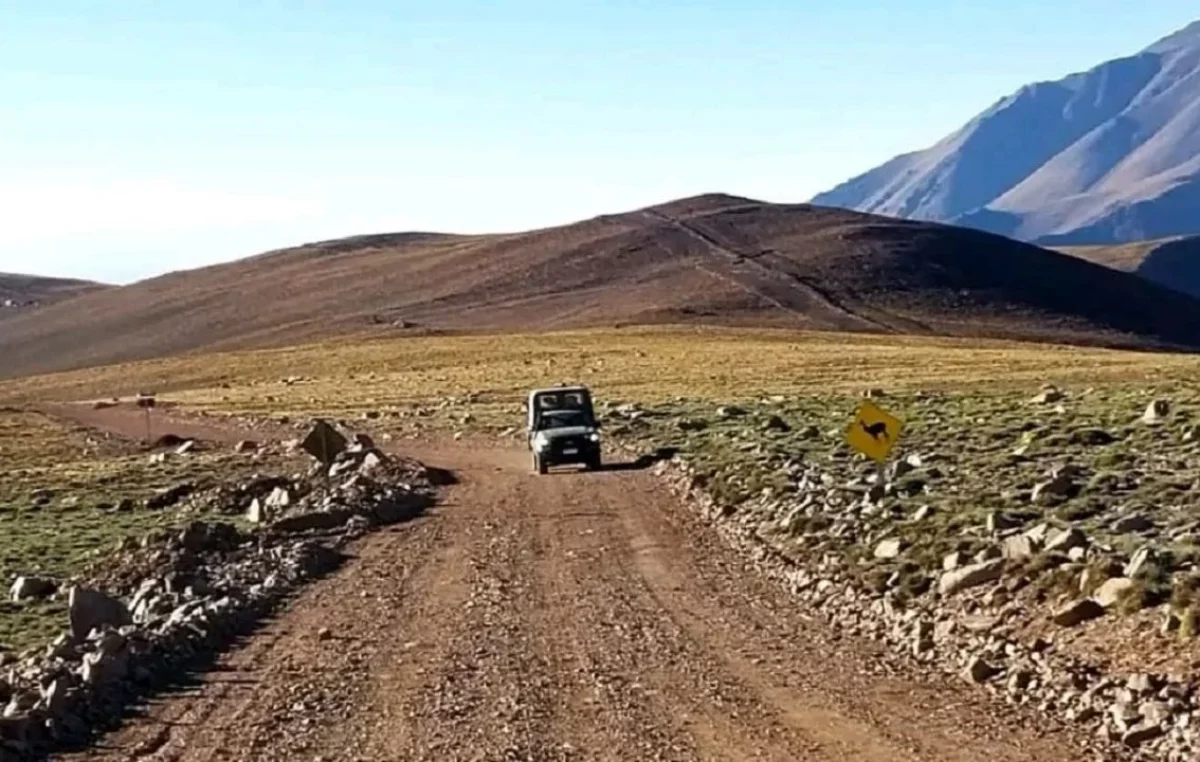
(874, 431)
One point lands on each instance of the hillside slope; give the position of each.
(710, 258)
(1172, 262)
(20, 291)
(1111, 155)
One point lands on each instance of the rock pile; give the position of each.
(149, 610)
(962, 621)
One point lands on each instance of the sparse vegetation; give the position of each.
(69, 495)
(742, 406)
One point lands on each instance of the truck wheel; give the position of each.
(539, 465)
(594, 463)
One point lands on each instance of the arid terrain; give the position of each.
(1171, 262)
(711, 259)
(25, 291)
(737, 584)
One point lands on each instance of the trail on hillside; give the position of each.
(788, 291)
(573, 616)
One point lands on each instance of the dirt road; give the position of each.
(563, 617)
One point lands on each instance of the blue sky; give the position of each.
(139, 137)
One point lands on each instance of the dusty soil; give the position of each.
(569, 616)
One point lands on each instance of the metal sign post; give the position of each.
(146, 402)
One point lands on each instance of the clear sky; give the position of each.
(142, 136)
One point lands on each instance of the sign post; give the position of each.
(146, 402)
(324, 443)
(874, 432)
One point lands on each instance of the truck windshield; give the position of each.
(557, 419)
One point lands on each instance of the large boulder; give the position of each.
(91, 609)
(32, 588)
(1077, 612)
(1111, 591)
(970, 576)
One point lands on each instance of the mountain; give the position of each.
(1111, 155)
(27, 291)
(1172, 262)
(716, 259)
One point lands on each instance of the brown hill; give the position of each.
(31, 290)
(705, 259)
(1171, 262)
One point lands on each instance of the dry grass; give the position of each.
(965, 403)
(59, 495)
(647, 364)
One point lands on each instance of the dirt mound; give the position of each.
(713, 258)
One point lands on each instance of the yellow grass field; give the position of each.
(644, 364)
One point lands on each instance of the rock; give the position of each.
(194, 537)
(998, 521)
(922, 636)
(186, 447)
(245, 445)
(170, 496)
(1131, 524)
(370, 463)
(1066, 539)
(32, 588)
(1039, 533)
(970, 576)
(953, 560)
(324, 634)
(1112, 591)
(1048, 397)
(1156, 411)
(1141, 683)
(730, 411)
(922, 513)
(1018, 548)
(691, 424)
(1155, 712)
(279, 499)
(256, 513)
(1077, 554)
(315, 521)
(988, 553)
(1018, 682)
(1141, 558)
(362, 443)
(1141, 733)
(899, 468)
(1055, 490)
(90, 609)
(1077, 612)
(979, 671)
(888, 549)
(1092, 437)
(775, 423)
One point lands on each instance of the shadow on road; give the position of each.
(640, 464)
(643, 462)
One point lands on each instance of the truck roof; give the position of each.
(559, 389)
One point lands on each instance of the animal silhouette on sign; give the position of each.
(875, 430)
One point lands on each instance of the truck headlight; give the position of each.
(594, 437)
